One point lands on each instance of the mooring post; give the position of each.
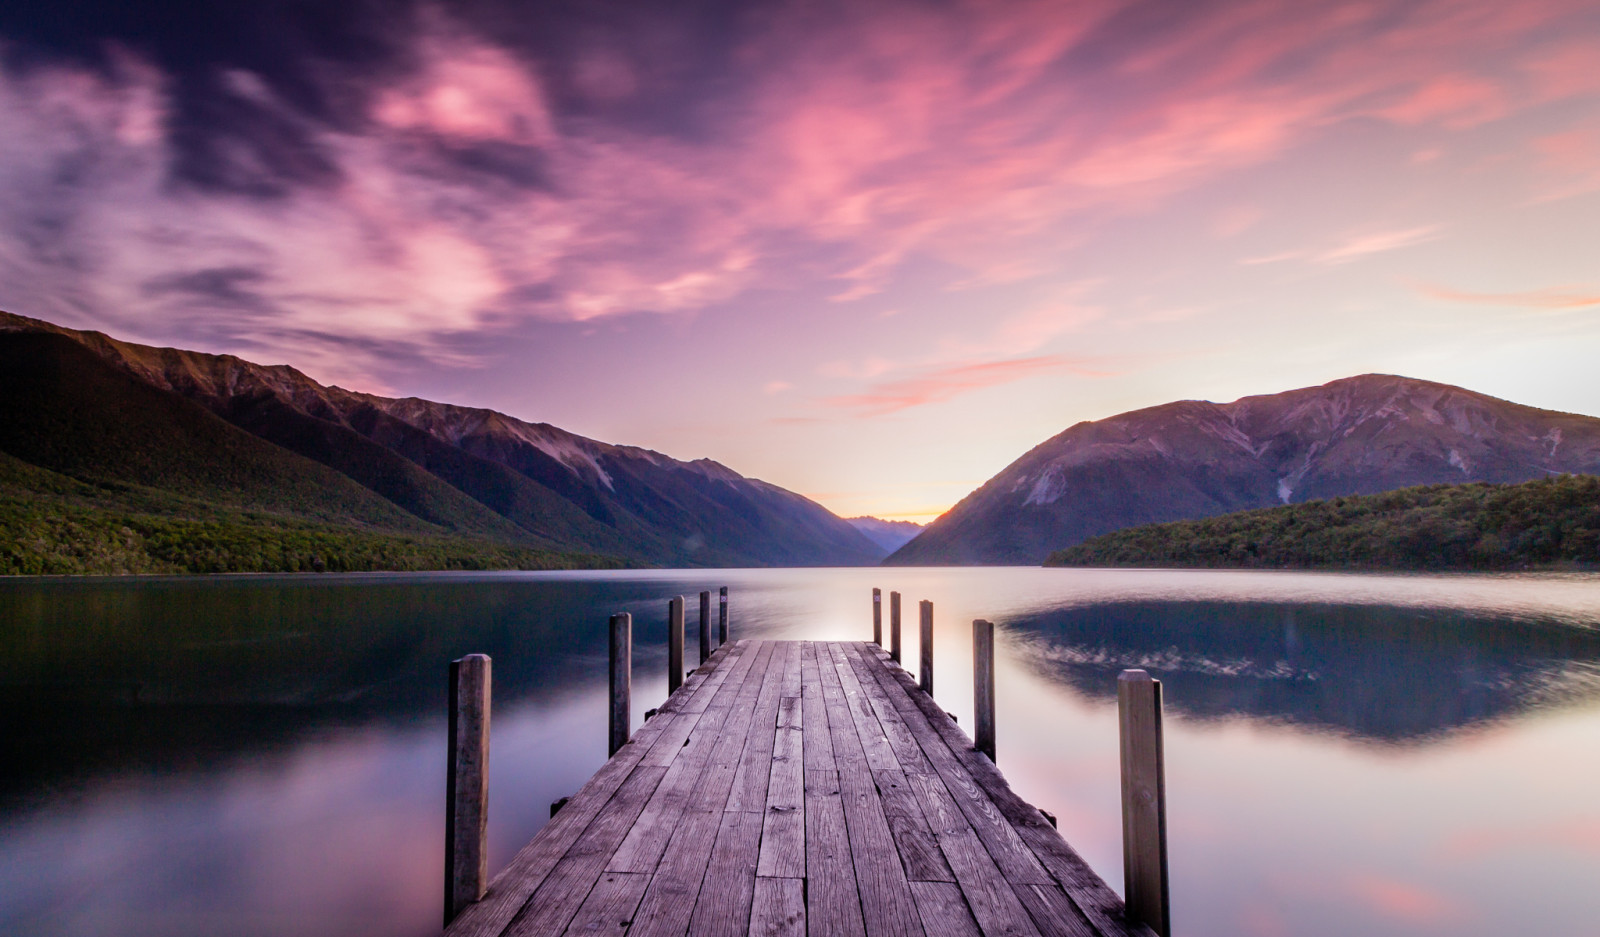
(925, 668)
(983, 686)
(705, 626)
(466, 854)
(722, 616)
(674, 643)
(877, 617)
(1144, 801)
(621, 679)
(894, 627)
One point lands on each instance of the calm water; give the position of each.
(265, 755)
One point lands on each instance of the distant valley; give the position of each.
(1195, 459)
(125, 457)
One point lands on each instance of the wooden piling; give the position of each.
(894, 627)
(466, 858)
(877, 617)
(621, 679)
(983, 686)
(705, 626)
(1144, 801)
(674, 644)
(925, 667)
(722, 616)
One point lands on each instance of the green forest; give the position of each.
(1553, 522)
(51, 524)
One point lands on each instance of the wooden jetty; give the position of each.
(800, 788)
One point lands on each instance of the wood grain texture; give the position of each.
(705, 627)
(877, 616)
(894, 627)
(925, 646)
(1144, 800)
(779, 908)
(794, 788)
(466, 845)
(983, 687)
(722, 616)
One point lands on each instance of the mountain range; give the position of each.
(1194, 458)
(220, 431)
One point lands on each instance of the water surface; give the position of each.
(265, 755)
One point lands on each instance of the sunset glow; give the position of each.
(868, 252)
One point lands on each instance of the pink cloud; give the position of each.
(993, 139)
(943, 383)
(1550, 299)
(1571, 161)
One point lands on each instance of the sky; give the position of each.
(869, 251)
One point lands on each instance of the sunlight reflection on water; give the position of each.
(264, 755)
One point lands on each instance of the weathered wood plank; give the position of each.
(1088, 891)
(919, 850)
(944, 911)
(669, 900)
(783, 850)
(511, 888)
(557, 899)
(610, 905)
(886, 903)
(779, 909)
(723, 909)
(1013, 856)
(833, 902)
(750, 779)
(896, 827)
(904, 745)
(722, 767)
(642, 848)
(1054, 912)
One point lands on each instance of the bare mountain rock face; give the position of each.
(475, 470)
(1194, 458)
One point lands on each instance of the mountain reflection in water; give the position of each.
(1388, 675)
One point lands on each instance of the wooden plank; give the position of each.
(610, 906)
(888, 909)
(874, 741)
(750, 779)
(723, 908)
(716, 781)
(877, 616)
(512, 887)
(943, 910)
(894, 626)
(783, 852)
(919, 850)
(642, 847)
(779, 908)
(833, 903)
(1088, 891)
(1054, 912)
(901, 741)
(1013, 857)
(559, 896)
(669, 901)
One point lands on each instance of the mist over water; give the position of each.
(265, 755)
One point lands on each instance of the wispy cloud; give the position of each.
(1555, 299)
(943, 383)
(1377, 242)
(476, 176)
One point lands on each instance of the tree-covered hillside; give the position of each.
(1550, 522)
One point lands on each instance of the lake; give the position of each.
(264, 755)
